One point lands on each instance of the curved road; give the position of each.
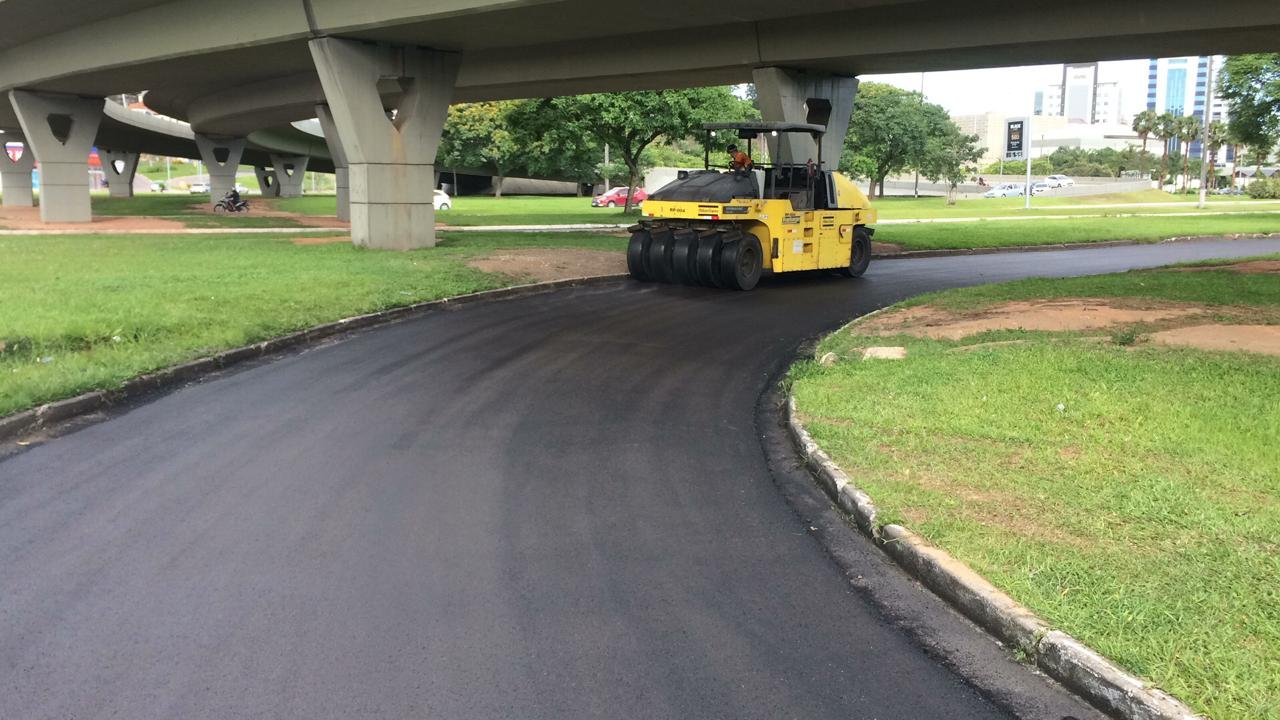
(552, 507)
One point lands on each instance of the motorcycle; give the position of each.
(230, 204)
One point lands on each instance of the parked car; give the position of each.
(1058, 181)
(198, 187)
(1004, 190)
(618, 196)
(1040, 188)
(441, 200)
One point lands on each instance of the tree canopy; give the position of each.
(893, 130)
(1250, 84)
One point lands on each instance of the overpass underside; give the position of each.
(241, 71)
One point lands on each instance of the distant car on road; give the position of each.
(441, 200)
(198, 187)
(1040, 188)
(618, 196)
(1004, 190)
(1058, 181)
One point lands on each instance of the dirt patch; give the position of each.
(263, 208)
(1249, 338)
(327, 240)
(1252, 267)
(879, 248)
(28, 218)
(543, 264)
(1046, 315)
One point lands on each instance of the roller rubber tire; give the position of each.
(708, 258)
(637, 254)
(658, 260)
(859, 253)
(741, 262)
(684, 258)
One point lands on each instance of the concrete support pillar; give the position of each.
(15, 178)
(221, 158)
(794, 96)
(119, 167)
(289, 171)
(60, 129)
(391, 161)
(340, 174)
(267, 181)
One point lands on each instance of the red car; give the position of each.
(618, 196)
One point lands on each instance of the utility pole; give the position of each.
(606, 167)
(1204, 138)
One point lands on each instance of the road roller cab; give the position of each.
(725, 227)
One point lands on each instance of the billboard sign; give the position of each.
(1015, 139)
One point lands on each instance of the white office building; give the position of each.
(1179, 85)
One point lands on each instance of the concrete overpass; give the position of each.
(240, 71)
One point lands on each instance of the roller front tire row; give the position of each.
(722, 258)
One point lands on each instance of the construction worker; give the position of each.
(738, 160)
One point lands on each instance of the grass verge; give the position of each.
(995, 233)
(79, 313)
(1129, 494)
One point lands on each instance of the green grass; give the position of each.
(86, 312)
(475, 210)
(936, 207)
(996, 233)
(1127, 493)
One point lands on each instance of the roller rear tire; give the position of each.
(684, 258)
(741, 262)
(859, 253)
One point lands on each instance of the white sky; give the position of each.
(1012, 90)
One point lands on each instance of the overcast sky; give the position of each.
(1012, 90)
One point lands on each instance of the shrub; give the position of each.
(1264, 189)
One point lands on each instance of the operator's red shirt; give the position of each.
(741, 160)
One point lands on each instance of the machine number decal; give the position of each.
(790, 218)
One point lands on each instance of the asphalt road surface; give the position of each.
(551, 507)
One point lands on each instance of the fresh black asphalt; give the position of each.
(552, 507)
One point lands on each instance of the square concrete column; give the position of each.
(290, 170)
(391, 161)
(340, 175)
(60, 129)
(15, 178)
(221, 158)
(119, 167)
(794, 96)
(267, 181)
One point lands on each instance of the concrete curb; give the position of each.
(907, 254)
(44, 416)
(1062, 657)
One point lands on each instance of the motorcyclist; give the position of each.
(233, 196)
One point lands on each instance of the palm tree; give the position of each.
(1143, 123)
(1189, 128)
(1217, 138)
(1166, 127)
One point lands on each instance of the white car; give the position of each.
(1004, 190)
(441, 200)
(198, 187)
(1058, 181)
(1039, 188)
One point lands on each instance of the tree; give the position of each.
(1188, 128)
(1250, 84)
(552, 149)
(949, 155)
(1144, 123)
(1166, 128)
(477, 135)
(632, 121)
(1217, 138)
(890, 132)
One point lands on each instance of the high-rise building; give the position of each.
(1081, 98)
(1179, 85)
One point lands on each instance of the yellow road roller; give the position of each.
(714, 226)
